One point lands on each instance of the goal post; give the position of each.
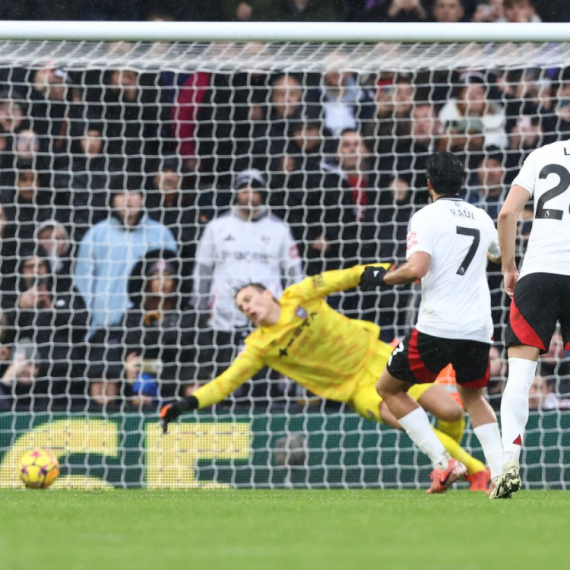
(339, 120)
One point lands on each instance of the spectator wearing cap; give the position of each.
(152, 358)
(474, 103)
(245, 245)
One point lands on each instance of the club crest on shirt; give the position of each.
(301, 313)
(412, 240)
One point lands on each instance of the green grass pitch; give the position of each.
(275, 530)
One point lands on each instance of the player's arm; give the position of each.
(242, 369)
(418, 253)
(329, 282)
(507, 227)
(413, 270)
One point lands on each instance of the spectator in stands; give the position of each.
(24, 207)
(306, 10)
(50, 105)
(448, 11)
(562, 106)
(250, 11)
(344, 102)
(286, 104)
(104, 261)
(53, 326)
(398, 11)
(526, 136)
(488, 190)
(184, 212)
(109, 250)
(541, 395)
(519, 11)
(315, 198)
(223, 129)
(245, 245)
(472, 105)
(83, 187)
(11, 113)
(154, 351)
(391, 123)
(488, 11)
(54, 244)
(131, 118)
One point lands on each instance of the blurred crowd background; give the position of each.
(294, 10)
(134, 202)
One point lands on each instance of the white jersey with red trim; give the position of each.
(546, 176)
(456, 302)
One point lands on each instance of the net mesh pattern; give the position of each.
(124, 242)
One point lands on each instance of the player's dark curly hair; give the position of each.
(446, 173)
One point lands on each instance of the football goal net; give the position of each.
(150, 170)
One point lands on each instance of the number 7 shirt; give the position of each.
(546, 176)
(456, 302)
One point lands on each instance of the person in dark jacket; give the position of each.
(152, 356)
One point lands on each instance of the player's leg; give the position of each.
(532, 320)
(367, 403)
(472, 366)
(401, 373)
(436, 400)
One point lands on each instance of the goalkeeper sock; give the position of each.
(419, 429)
(490, 439)
(457, 452)
(453, 429)
(514, 406)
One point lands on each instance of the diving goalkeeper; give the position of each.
(332, 356)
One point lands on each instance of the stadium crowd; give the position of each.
(133, 203)
(295, 10)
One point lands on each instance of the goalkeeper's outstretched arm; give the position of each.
(329, 282)
(242, 369)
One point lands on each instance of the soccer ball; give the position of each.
(38, 469)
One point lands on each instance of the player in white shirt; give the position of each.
(540, 294)
(449, 243)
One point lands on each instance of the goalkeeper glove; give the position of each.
(371, 278)
(170, 412)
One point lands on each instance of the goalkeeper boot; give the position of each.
(442, 479)
(508, 483)
(480, 481)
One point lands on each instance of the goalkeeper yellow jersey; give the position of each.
(312, 343)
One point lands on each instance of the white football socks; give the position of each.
(514, 406)
(490, 439)
(419, 429)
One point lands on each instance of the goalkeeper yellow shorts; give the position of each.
(365, 401)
